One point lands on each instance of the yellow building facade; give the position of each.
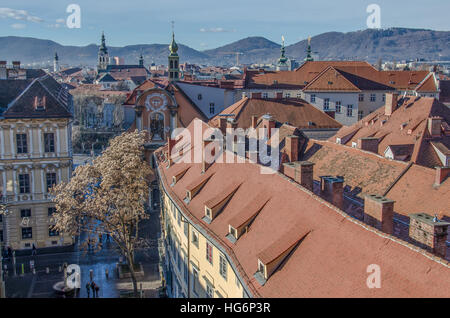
(35, 154)
(194, 265)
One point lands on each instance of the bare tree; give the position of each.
(108, 196)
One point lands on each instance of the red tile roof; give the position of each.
(331, 262)
(296, 112)
(406, 126)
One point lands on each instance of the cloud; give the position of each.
(18, 15)
(216, 30)
(18, 26)
(55, 26)
(59, 21)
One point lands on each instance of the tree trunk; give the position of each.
(133, 275)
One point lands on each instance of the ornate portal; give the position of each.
(156, 126)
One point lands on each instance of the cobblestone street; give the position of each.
(40, 285)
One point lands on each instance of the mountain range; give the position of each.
(371, 45)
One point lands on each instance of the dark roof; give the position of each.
(10, 89)
(35, 73)
(22, 104)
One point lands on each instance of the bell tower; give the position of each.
(103, 57)
(56, 68)
(174, 60)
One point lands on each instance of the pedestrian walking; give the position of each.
(93, 289)
(97, 288)
(88, 289)
(33, 250)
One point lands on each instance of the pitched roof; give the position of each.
(363, 172)
(406, 126)
(351, 245)
(45, 88)
(296, 112)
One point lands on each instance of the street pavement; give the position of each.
(40, 285)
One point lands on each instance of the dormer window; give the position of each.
(39, 103)
(199, 97)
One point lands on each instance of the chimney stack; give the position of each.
(333, 190)
(256, 95)
(268, 124)
(223, 124)
(301, 172)
(391, 103)
(434, 126)
(170, 145)
(205, 163)
(231, 123)
(254, 121)
(379, 213)
(429, 232)
(368, 144)
(291, 146)
(441, 174)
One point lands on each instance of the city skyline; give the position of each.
(224, 23)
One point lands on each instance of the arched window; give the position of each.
(157, 126)
(171, 64)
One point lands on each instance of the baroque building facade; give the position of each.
(35, 154)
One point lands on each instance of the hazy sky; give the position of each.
(206, 24)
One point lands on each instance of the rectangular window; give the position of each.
(313, 98)
(194, 238)
(360, 114)
(24, 183)
(27, 233)
(25, 213)
(195, 281)
(361, 97)
(185, 269)
(51, 232)
(383, 97)
(51, 180)
(288, 95)
(338, 106)
(22, 146)
(211, 108)
(51, 211)
(1, 235)
(186, 228)
(326, 104)
(209, 253)
(349, 110)
(373, 97)
(49, 142)
(265, 95)
(223, 267)
(299, 95)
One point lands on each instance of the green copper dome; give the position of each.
(173, 47)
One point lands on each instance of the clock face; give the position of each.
(156, 102)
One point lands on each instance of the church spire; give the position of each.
(174, 59)
(103, 57)
(141, 60)
(308, 51)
